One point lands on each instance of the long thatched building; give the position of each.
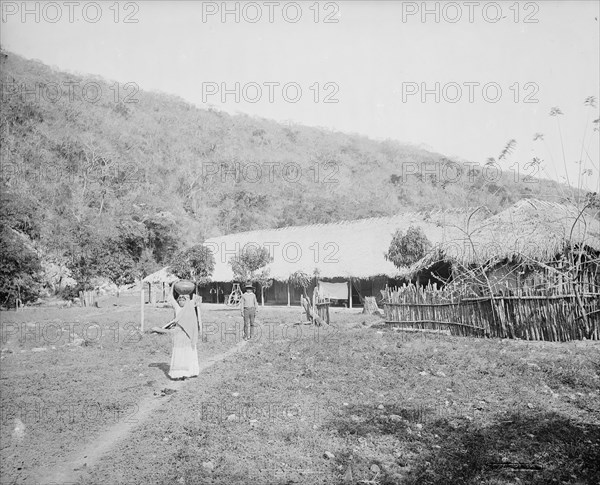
(532, 244)
(348, 256)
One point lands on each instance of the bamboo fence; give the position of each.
(88, 298)
(531, 315)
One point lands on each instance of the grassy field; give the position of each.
(67, 374)
(360, 403)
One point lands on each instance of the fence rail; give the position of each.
(530, 317)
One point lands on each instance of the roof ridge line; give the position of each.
(348, 222)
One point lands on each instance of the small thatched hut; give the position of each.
(531, 245)
(157, 284)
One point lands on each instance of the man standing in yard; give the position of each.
(248, 309)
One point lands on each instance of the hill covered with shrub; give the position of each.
(102, 179)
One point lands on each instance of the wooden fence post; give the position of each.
(315, 300)
(349, 292)
(142, 303)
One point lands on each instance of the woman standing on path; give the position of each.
(185, 328)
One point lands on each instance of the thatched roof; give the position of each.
(530, 229)
(345, 249)
(161, 276)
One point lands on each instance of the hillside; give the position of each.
(86, 172)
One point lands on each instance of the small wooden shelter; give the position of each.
(158, 284)
(155, 285)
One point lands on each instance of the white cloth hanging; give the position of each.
(335, 291)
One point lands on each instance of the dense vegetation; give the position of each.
(100, 185)
(249, 264)
(407, 249)
(196, 263)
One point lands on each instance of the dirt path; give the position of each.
(83, 460)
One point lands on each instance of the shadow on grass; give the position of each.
(162, 366)
(537, 448)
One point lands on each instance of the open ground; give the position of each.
(353, 403)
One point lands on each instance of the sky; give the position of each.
(461, 78)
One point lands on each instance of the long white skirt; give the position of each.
(184, 359)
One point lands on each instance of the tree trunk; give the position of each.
(371, 307)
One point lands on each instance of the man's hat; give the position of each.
(249, 285)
